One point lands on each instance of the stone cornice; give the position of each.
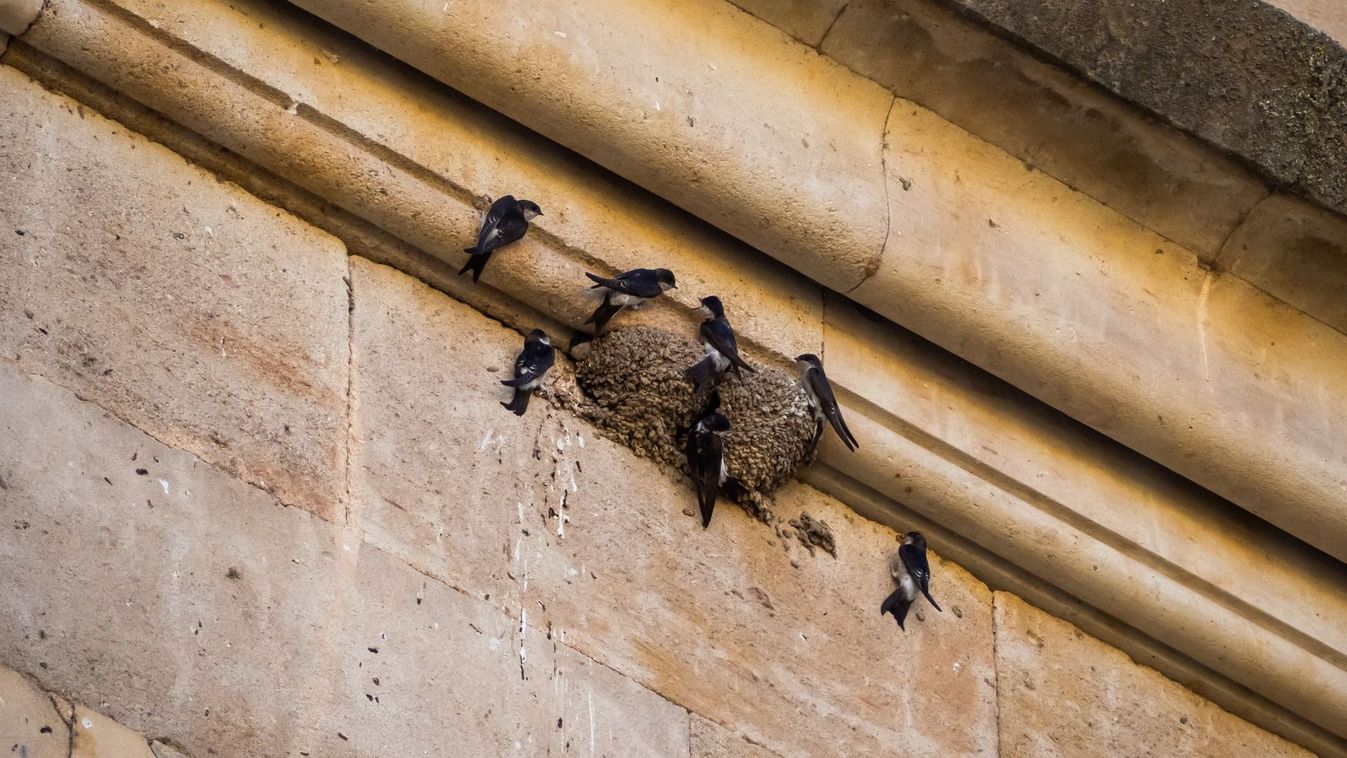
(1001, 265)
(1027, 498)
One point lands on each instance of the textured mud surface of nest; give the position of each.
(633, 377)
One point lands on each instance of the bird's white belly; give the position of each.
(621, 298)
(722, 363)
(908, 586)
(532, 384)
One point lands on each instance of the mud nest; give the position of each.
(634, 378)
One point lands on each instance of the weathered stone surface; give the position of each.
(724, 138)
(480, 678)
(552, 520)
(1064, 693)
(711, 740)
(1244, 76)
(219, 619)
(448, 159)
(29, 724)
(97, 736)
(184, 305)
(1051, 120)
(805, 20)
(1294, 251)
(1036, 275)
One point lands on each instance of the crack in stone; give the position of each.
(872, 265)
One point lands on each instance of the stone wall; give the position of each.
(257, 498)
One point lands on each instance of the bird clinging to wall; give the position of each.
(529, 368)
(706, 457)
(821, 399)
(631, 288)
(722, 350)
(913, 574)
(506, 221)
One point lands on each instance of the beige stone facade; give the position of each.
(257, 495)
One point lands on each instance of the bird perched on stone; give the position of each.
(821, 399)
(913, 574)
(631, 288)
(706, 457)
(506, 221)
(722, 351)
(529, 368)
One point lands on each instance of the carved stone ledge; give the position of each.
(1029, 499)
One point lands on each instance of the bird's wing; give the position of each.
(705, 452)
(823, 390)
(640, 282)
(914, 560)
(533, 361)
(719, 335)
(504, 223)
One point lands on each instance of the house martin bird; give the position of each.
(706, 457)
(913, 574)
(820, 392)
(722, 351)
(529, 368)
(634, 288)
(505, 222)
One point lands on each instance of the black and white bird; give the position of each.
(722, 351)
(706, 457)
(913, 574)
(631, 288)
(505, 222)
(529, 368)
(821, 399)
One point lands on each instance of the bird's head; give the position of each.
(915, 538)
(665, 278)
(808, 359)
(712, 308)
(538, 335)
(530, 209)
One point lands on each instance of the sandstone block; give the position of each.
(1047, 118)
(97, 736)
(183, 305)
(16, 15)
(1064, 693)
(805, 20)
(711, 740)
(1296, 252)
(29, 723)
(234, 626)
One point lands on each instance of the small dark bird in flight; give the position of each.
(631, 288)
(505, 222)
(706, 457)
(820, 392)
(722, 351)
(913, 574)
(529, 368)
